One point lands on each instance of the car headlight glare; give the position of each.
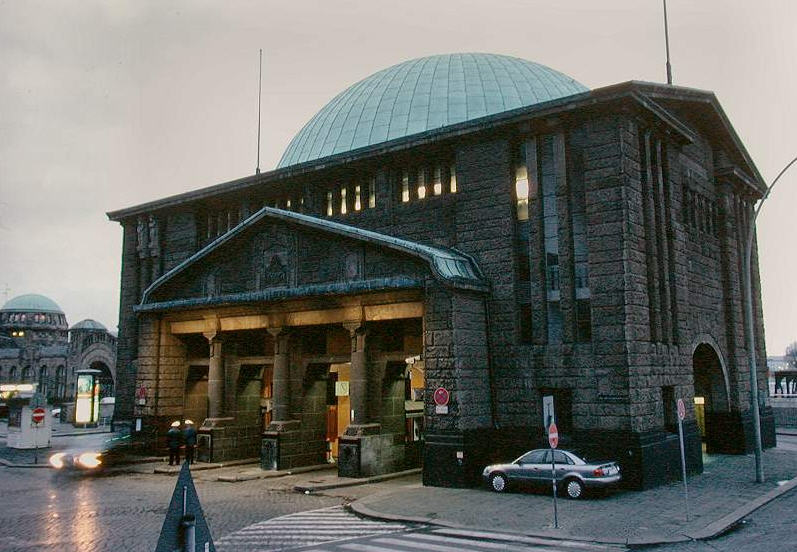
(57, 460)
(89, 459)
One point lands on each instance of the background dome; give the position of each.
(424, 94)
(31, 303)
(88, 324)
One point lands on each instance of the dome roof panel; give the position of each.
(423, 94)
(31, 302)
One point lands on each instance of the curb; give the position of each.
(354, 482)
(268, 474)
(9, 464)
(172, 470)
(718, 527)
(710, 531)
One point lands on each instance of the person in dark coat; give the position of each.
(189, 435)
(174, 438)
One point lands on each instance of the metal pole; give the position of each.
(189, 533)
(667, 44)
(553, 482)
(683, 465)
(751, 352)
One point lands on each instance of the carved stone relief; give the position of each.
(274, 258)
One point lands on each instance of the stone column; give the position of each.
(281, 376)
(358, 378)
(215, 377)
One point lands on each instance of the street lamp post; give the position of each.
(748, 299)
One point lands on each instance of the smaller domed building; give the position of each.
(38, 346)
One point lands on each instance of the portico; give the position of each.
(306, 373)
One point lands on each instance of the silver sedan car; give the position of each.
(573, 474)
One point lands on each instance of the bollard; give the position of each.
(189, 533)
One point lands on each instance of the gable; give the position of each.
(278, 254)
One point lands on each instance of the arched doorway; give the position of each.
(712, 407)
(105, 379)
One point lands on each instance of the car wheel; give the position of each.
(574, 488)
(498, 482)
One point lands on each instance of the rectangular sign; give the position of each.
(341, 388)
(548, 414)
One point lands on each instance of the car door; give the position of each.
(561, 463)
(534, 467)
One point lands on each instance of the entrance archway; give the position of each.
(105, 378)
(712, 406)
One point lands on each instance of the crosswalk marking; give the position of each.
(458, 540)
(303, 529)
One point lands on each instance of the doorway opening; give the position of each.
(711, 397)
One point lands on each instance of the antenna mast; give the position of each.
(259, 94)
(667, 45)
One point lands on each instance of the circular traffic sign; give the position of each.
(553, 436)
(38, 415)
(441, 396)
(681, 409)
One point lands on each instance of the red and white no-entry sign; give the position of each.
(681, 409)
(38, 415)
(553, 436)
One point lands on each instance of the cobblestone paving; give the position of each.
(44, 510)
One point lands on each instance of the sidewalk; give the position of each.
(718, 499)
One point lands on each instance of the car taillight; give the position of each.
(598, 472)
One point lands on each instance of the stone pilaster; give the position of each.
(281, 377)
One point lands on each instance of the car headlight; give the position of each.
(57, 460)
(89, 459)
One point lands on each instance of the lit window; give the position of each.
(288, 204)
(522, 192)
(372, 193)
(437, 180)
(405, 187)
(329, 204)
(301, 203)
(452, 182)
(421, 183)
(357, 204)
(343, 209)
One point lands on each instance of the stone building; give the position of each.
(442, 245)
(37, 346)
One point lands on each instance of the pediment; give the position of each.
(276, 254)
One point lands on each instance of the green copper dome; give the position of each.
(423, 94)
(31, 303)
(88, 324)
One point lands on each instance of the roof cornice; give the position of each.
(641, 93)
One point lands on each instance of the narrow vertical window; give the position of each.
(372, 193)
(357, 204)
(452, 178)
(437, 180)
(522, 183)
(550, 212)
(421, 183)
(329, 204)
(343, 206)
(405, 186)
(288, 204)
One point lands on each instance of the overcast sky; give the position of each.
(106, 104)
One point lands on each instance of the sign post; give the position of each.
(37, 416)
(681, 416)
(553, 440)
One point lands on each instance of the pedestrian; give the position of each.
(174, 438)
(189, 435)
